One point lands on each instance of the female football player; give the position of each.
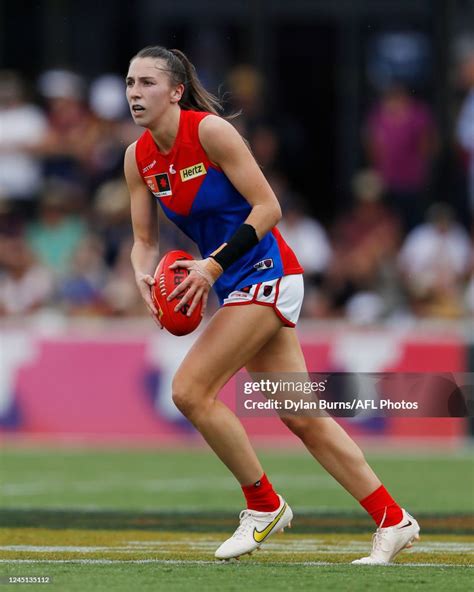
(206, 180)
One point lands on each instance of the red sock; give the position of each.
(260, 495)
(382, 507)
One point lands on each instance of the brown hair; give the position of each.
(182, 71)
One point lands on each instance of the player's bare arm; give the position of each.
(144, 254)
(226, 148)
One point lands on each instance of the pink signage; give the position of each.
(80, 386)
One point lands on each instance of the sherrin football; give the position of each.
(177, 323)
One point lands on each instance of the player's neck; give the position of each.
(165, 131)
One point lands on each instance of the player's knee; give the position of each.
(310, 430)
(182, 395)
(187, 395)
(297, 424)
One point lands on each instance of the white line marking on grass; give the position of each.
(152, 485)
(297, 547)
(15, 489)
(203, 562)
(184, 484)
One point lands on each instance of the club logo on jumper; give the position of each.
(262, 265)
(172, 170)
(149, 166)
(267, 290)
(159, 185)
(192, 172)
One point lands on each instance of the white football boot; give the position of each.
(389, 541)
(254, 529)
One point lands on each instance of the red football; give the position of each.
(177, 323)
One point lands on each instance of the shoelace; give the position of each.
(379, 536)
(245, 525)
(378, 540)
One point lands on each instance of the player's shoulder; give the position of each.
(130, 163)
(131, 149)
(218, 137)
(140, 148)
(214, 124)
(130, 154)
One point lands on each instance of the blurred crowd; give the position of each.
(65, 232)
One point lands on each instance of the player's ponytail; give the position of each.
(182, 71)
(195, 96)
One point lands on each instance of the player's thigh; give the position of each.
(281, 358)
(232, 337)
(281, 353)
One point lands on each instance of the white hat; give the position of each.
(107, 97)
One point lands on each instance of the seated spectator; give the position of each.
(120, 293)
(265, 145)
(12, 220)
(469, 294)
(434, 261)
(275, 137)
(25, 285)
(72, 129)
(365, 243)
(80, 290)
(306, 237)
(115, 130)
(23, 127)
(309, 241)
(111, 219)
(57, 232)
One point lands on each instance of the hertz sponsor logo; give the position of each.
(192, 172)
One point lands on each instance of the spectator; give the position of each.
(434, 261)
(72, 132)
(115, 128)
(365, 243)
(23, 127)
(401, 141)
(57, 232)
(119, 292)
(111, 219)
(309, 241)
(274, 138)
(80, 290)
(11, 221)
(465, 124)
(246, 86)
(265, 145)
(307, 238)
(469, 293)
(25, 285)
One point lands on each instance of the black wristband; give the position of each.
(244, 239)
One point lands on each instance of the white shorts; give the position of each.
(284, 295)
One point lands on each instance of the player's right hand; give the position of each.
(144, 283)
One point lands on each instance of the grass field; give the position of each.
(151, 520)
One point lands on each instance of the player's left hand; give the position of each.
(202, 275)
